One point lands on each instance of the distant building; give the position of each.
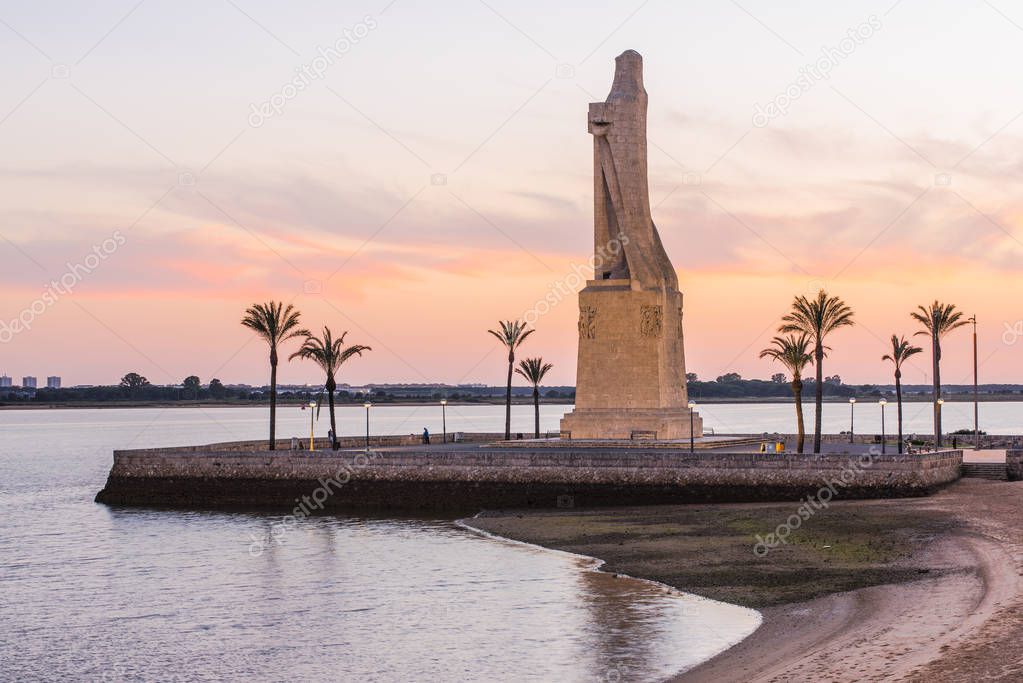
(28, 382)
(5, 381)
(53, 382)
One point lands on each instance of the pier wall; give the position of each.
(424, 479)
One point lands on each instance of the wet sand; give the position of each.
(924, 589)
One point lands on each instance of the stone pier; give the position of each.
(470, 478)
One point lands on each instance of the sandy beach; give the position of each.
(924, 589)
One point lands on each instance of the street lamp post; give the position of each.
(937, 437)
(976, 415)
(692, 436)
(882, 403)
(852, 417)
(444, 417)
(312, 414)
(367, 407)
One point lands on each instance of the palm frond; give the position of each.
(327, 351)
(901, 350)
(350, 351)
(817, 317)
(273, 322)
(533, 370)
(793, 352)
(938, 319)
(512, 333)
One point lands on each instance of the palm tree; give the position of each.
(534, 369)
(512, 334)
(817, 318)
(938, 319)
(901, 350)
(330, 354)
(794, 353)
(275, 324)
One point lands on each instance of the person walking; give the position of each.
(426, 436)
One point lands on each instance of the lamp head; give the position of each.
(852, 400)
(883, 402)
(443, 401)
(366, 405)
(692, 404)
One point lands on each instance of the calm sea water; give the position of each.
(137, 428)
(93, 593)
(750, 418)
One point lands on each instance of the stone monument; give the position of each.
(631, 377)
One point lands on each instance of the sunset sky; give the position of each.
(437, 177)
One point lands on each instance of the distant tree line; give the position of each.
(135, 387)
(732, 385)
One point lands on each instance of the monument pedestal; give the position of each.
(630, 382)
(625, 423)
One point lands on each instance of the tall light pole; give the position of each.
(852, 417)
(882, 403)
(444, 417)
(976, 414)
(367, 406)
(692, 436)
(312, 414)
(937, 442)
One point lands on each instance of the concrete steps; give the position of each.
(985, 470)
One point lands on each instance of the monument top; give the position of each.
(622, 223)
(628, 80)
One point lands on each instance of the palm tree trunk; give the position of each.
(818, 396)
(797, 392)
(273, 400)
(937, 391)
(507, 399)
(898, 399)
(536, 408)
(331, 385)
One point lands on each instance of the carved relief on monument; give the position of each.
(680, 322)
(587, 322)
(650, 321)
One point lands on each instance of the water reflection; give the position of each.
(94, 593)
(621, 623)
(145, 591)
